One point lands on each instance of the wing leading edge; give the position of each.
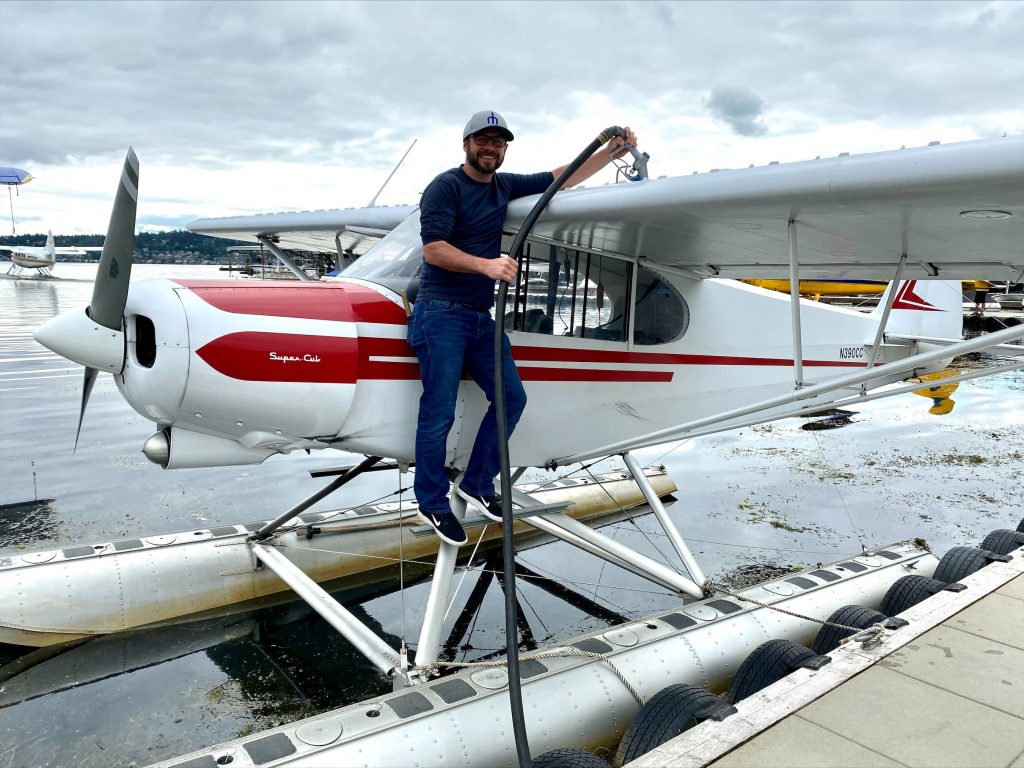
(956, 211)
(356, 229)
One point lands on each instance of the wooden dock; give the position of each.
(947, 690)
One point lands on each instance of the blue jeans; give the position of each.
(449, 338)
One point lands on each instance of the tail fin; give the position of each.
(51, 251)
(924, 308)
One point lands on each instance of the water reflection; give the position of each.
(830, 419)
(170, 690)
(35, 301)
(1009, 381)
(119, 701)
(28, 522)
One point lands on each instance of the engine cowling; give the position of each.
(267, 368)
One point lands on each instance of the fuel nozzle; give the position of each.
(638, 170)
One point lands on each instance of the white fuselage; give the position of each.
(261, 369)
(34, 257)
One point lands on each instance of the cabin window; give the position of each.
(660, 314)
(567, 292)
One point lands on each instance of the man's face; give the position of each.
(481, 152)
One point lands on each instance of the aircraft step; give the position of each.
(479, 521)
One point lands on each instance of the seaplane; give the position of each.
(630, 329)
(41, 258)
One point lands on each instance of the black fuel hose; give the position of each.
(508, 546)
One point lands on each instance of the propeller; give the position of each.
(94, 337)
(87, 383)
(110, 291)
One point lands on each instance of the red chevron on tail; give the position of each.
(907, 298)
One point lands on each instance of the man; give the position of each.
(980, 296)
(462, 212)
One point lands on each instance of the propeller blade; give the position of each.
(90, 379)
(110, 291)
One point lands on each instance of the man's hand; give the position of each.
(617, 143)
(447, 256)
(501, 268)
(613, 149)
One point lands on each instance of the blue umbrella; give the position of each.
(13, 177)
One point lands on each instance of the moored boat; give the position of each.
(1008, 300)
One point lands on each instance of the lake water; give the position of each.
(750, 501)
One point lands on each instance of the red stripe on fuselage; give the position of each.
(346, 302)
(560, 354)
(591, 374)
(260, 356)
(370, 346)
(282, 357)
(409, 370)
(386, 369)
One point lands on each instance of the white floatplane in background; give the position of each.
(41, 257)
(627, 334)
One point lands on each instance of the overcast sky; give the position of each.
(255, 107)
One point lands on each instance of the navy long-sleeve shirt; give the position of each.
(469, 215)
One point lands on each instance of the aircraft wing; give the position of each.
(956, 210)
(355, 228)
(72, 250)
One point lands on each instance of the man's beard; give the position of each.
(471, 158)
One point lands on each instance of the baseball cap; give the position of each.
(487, 119)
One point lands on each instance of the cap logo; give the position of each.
(493, 119)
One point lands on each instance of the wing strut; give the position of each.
(813, 408)
(344, 260)
(302, 506)
(284, 258)
(794, 303)
(889, 300)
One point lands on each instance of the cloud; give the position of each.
(740, 108)
(277, 106)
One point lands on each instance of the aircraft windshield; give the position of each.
(398, 256)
